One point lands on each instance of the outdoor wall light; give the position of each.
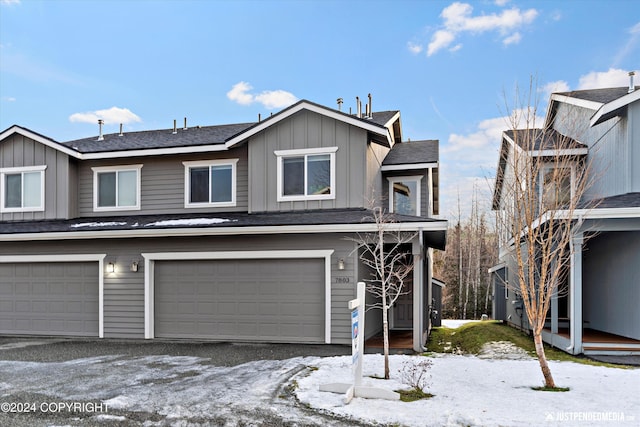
(134, 266)
(341, 264)
(111, 268)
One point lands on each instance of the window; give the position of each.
(307, 174)
(22, 189)
(210, 183)
(557, 186)
(116, 188)
(404, 195)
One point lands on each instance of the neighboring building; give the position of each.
(599, 315)
(229, 232)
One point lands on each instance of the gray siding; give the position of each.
(375, 189)
(610, 151)
(425, 189)
(162, 183)
(124, 290)
(611, 283)
(19, 151)
(633, 124)
(307, 130)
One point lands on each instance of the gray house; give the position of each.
(228, 232)
(599, 314)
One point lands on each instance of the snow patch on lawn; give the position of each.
(456, 323)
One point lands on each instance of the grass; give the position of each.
(469, 339)
(413, 395)
(554, 389)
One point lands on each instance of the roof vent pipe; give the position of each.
(358, 107)
(339, 100)
(370, 110)
(120, 134)
(175, 127)
(259, 117)
(632, 87)
(185, 124)
(100, 123)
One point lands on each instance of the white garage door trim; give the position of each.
(70, 258)
(150, 258)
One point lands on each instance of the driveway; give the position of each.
(48, 382)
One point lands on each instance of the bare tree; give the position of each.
(543, 182)
(385, 253)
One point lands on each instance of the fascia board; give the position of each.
(310, 107)
(409, 166)
(440, 225)
(38, 138)
(154, 152)
(614, 105)
(591, 105)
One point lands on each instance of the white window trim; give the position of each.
(22, 170)
(283, 154)
(102, 169)
(547, 167)
(208, 163)
(417, 179)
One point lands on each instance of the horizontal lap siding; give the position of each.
(162, 183)
(124, 291)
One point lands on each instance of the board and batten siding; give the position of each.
(307, 129)
(162, 189)
(124, 290)
(20, 151)
(611, 150)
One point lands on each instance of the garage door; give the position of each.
(49, 298)
(278, 300)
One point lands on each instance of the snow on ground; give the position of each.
(468, 390)
(456, 323)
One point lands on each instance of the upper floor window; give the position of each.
(22, 189)
(404, 195)
(307, 174)
(557, 186)
(210, 183)
(116, 188)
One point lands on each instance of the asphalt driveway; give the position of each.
(50, 382)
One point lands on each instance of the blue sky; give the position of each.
(447, 66)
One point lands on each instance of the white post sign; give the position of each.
(357, 347)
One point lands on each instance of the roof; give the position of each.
(332, 220)
(602, 96)
(542, 140)
(204, 138)
(163, 138)
(628, 200)
(413, 152)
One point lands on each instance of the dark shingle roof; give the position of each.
(200, 220)
(628, 200)
(541, 139)
(413, 152)
(603, 96)
(163, 138)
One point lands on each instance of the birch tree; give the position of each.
(386, 252)
(542, 186)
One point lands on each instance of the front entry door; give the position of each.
(403, 308)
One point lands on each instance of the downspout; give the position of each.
(421, 320)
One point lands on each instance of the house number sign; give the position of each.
(341, 279)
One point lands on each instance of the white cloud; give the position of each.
(601, 79)
(457, 19)
(552, 87)
(629, 45)
(8, 98)
(238, 93)
(9, 2)
(512, 39)
(415, 48)
(501, 2)
(271, 99)
(113, 115)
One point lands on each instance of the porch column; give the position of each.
(418, 297)
(554, 313)
(575, 293)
